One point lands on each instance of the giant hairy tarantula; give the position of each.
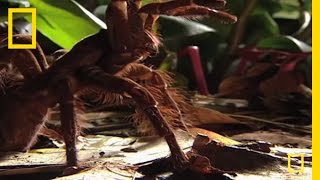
(108, 62)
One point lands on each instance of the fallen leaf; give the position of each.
(200, 116)
(212, 135)
(234, 158)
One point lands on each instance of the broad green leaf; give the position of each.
(65, 22)
(271, 6)
(260, 25)
(177, 27)
(178, 32)
(264, 21)
(100, 12)
(307, 5)
(287, 43)
(290, 9)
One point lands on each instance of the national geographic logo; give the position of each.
(294, 170)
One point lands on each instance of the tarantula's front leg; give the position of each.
(203, 11)
(155, 80)
(158, 8)
(29, 62)
(189, 8)
(68, 121)
(97, 77)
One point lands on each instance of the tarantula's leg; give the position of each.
(68, 121)
(160, 8)
(203, 11)
(173, 8)
(38, 52)
(96, 77)
(24, 60)
(143, 73)
(29, 62)
(26, 39)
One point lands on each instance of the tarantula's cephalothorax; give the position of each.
(106, 62)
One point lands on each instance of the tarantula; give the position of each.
(107, 62)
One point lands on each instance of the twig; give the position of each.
(238, 32)
(284, 125)
(240, 27)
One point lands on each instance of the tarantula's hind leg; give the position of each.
(95, 76)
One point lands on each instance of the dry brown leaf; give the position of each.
(246, 85)
(258, 69)
(212, 136)
(281, 83)
(237, 87)
(201, 115)
(233, 158)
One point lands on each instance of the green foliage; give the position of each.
(271, 24)
(64, 22)
(286, 43)
(178, 32)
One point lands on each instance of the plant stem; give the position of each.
(238, 32)
(193, 52)
(240, 27)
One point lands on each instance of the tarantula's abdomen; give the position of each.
(21, 117)
(20, 121)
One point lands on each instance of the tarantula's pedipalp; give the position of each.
(95, 76)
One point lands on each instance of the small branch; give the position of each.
(238, 32)
(279, 124)
(240, 27)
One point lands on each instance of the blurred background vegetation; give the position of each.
(267, 52)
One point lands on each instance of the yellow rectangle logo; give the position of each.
(290, 169)
(33, 44)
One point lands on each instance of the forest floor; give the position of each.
(113, 150)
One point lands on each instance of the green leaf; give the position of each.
(65, 22)
(264, 21)
(260, 25)
(307, 5)
(271, 6)
(179, 32)
(290, 9)
(287, 43)
(100, 12)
